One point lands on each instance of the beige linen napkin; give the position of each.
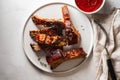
(111, 23)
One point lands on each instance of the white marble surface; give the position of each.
(13, 63)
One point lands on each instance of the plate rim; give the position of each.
(54, 72)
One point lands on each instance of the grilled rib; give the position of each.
(50, 40)
(47, 49)
(45, 21)
(72, 34)
(59, 56)
(49, 31)
(56, 25)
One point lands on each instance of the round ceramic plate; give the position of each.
(80, 21)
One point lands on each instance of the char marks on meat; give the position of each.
(72, 34)
(59, 56)
(55, 25)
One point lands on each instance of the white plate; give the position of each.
(80, 21)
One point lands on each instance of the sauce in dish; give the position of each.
(89, 5)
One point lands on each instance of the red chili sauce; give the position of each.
(88, 5)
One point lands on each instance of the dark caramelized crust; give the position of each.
(49, 49)
(45, 21)
(55, 58)
(50, 40)
(74, 53)
(56, 25)
(49, 31)
(72, 34)
(59, 56)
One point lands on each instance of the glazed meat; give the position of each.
(46, 31)
(59, 56)
(72, 34)
(50, 40)
(56, 25)
(55, 58)
(47, 22)
(48, 48)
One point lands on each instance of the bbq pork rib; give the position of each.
(52, 40)
(59, 56)
(56, 25)
(46, 21)
(49, 31)
(72, 34)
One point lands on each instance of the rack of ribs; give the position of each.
(46, 21)
(53, 36)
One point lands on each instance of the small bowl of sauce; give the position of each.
(89, 6)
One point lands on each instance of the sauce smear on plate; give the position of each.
(88, 5)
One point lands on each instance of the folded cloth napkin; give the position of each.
(111, 23)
